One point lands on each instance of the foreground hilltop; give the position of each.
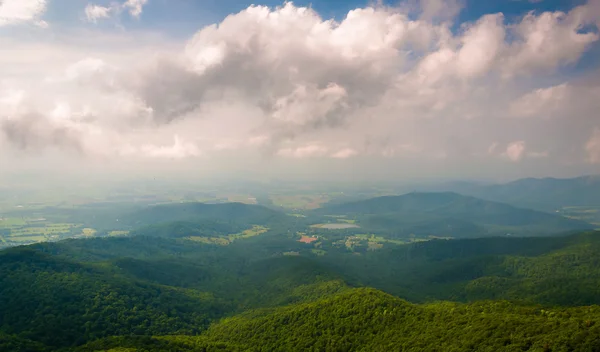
(370, 320)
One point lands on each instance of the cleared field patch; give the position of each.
(254, 231)
(308, 239)
(12, 222)
(226, 240)
(210, 240)
(28, 239)
(118, 233)
(590, 214)
(373, 240)
(241, 198)
(335, 226)
(88, 232)
(318, 252)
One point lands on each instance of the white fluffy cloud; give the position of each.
(94, 12)
(288, 83)
(515, 150)
(22, 11)
(135, 7)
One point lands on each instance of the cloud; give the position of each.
(135, 7)
(344, 153)
(515, 151)
(307, 151)
(444, 9)
(285, 82)
(551, 39)
(33, 133)
(541, 102)
(592, 147)
(14, 12)
(178, 150)
(537, 154)
(94, 12)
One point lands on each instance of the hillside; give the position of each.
(74, 292)
(370, 320)
(63, 303)
(449, 214)
(548, 194)
(552, 271)
(61, 295)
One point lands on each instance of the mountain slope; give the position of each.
(546, 194)
(370, 320)
(552, 271)
(451, 214)
(48, 296)
(61, 303)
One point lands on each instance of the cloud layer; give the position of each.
(287, 83)
(14, 12)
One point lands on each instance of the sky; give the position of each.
(305, 90)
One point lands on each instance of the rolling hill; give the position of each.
(451, 214)
(547, 194)
(265, 293)
(369, 320)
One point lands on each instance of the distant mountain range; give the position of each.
(450, 214)
(547, 194)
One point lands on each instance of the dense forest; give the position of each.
(263, 281)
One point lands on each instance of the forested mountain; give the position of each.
(450, 214)
(553, 271)
(548, 194)
(370, 320)
(72, 293)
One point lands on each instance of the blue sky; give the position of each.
(184, 17)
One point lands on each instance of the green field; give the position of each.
(210, 240)
(118, 233)
(23, 230)
(224, 241)
(254, 231)
(590, 214)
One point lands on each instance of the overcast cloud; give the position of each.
(385, 89)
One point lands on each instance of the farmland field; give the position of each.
(22, 230)
(337, 226)
(590, 214)
(254, 231)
